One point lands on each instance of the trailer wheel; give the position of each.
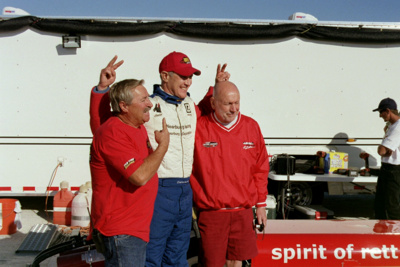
(301, 193)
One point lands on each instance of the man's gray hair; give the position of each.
(121, 91)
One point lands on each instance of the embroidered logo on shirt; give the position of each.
(248, 145)
(210, 144)
(157, 108)
(187, 106)
(129, 162)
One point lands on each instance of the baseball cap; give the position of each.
(386, 103)
(178, 63)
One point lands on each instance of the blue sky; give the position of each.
(323, 10)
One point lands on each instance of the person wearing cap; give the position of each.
(387, 197)
(230, 176)
(172, 219)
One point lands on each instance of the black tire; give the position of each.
(302, 193)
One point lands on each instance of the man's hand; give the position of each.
(162, 137)
(261, 214)
(108, 74)
(222, 75)
(151, 163)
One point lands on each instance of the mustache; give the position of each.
(147, 110)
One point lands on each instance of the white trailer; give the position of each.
(310, 85)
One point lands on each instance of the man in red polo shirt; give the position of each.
(124, 175)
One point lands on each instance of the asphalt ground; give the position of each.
(33, 212)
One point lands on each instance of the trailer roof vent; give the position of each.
(302, 16)
(8, 10)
